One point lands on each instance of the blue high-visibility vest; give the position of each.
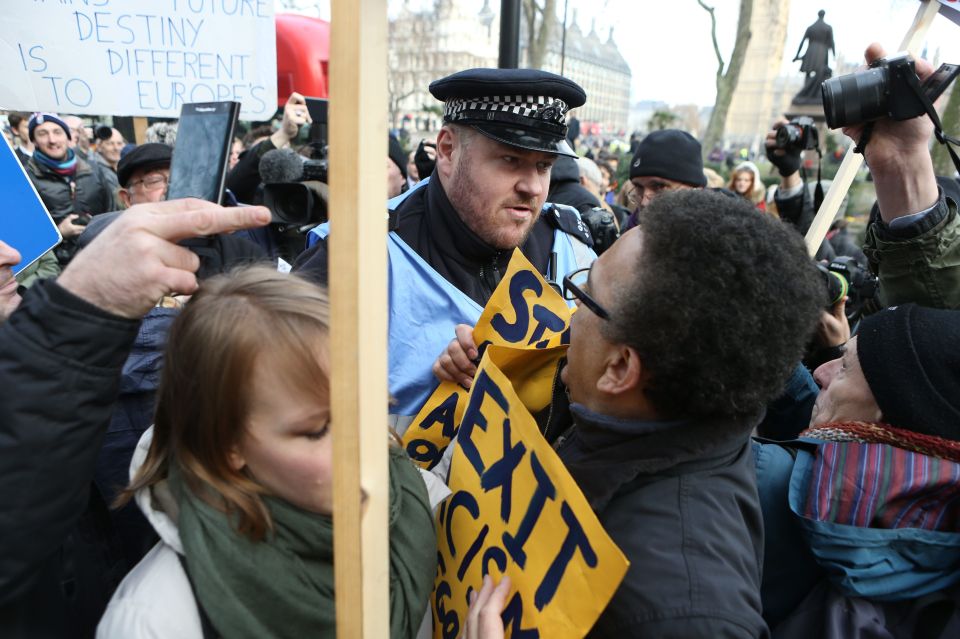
(424, 311)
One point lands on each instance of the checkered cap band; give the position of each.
(542, 108)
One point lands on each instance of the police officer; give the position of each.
(455, 231)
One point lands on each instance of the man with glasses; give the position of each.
(668, 160)
(673, 358)
(144, 173)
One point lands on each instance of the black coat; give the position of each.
(60, 361)
(86, 192)
(218, 253)
(798, 212)
(680, 500)
(90, 192)
(565, 187)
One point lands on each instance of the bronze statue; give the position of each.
(814, 63)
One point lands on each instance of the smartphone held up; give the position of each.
(202, 154)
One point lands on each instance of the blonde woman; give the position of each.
(236, 476)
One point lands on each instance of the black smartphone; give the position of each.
(317, 107)
(938, 82)
(202, 152)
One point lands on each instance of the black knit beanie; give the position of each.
(910, 356)
(669, 154)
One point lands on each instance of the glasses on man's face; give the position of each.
(151, 183)
(576, 286)
(635, 196)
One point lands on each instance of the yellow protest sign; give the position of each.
(524, 311)
(435, 425)
(515, 510)
(528, 316)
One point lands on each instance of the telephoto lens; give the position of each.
(855, 98)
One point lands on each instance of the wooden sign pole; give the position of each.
(852, 161)
(358, 295)
(140, 130)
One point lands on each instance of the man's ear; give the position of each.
(447, 145)
(124, 196)
(623, 373)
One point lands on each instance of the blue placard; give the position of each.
(25, 223)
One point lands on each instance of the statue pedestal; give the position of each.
(814, 111)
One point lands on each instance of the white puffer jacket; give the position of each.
(155, 601)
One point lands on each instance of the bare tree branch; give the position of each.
(538, 32)
(713, 34)
(726, 80)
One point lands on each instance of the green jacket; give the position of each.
(45, 267)
(920, 263)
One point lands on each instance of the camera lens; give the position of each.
(785, 135)
(855, 98)
(836, 285)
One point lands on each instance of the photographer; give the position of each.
(244, 178)
(794, 198)
(913, 240)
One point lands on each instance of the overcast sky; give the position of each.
(667, 42)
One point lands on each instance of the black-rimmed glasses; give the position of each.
(575, 287)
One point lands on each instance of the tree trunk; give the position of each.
(540, 21)
(726, 78)
(950, 118)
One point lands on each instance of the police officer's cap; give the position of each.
(525, 108)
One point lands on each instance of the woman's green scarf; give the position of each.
(284, 585)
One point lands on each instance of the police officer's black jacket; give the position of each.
(428, 223)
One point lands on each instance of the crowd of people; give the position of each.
(768, 466)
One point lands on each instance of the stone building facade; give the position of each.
(596, 64)
(760, 91)
(451, 35)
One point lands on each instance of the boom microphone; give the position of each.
(281, 165)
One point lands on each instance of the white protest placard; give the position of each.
(138, 57)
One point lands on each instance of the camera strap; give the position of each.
(944, 139)
(818, 191)
(948, 141)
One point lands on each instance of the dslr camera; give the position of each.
(845, 277)
(798, 134)
(885, 90)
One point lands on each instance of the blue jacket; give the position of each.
(425, 308)
(877, 564)
(132, 415)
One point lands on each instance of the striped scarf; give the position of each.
(65, 167)
(877, 476)
(874, 433)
